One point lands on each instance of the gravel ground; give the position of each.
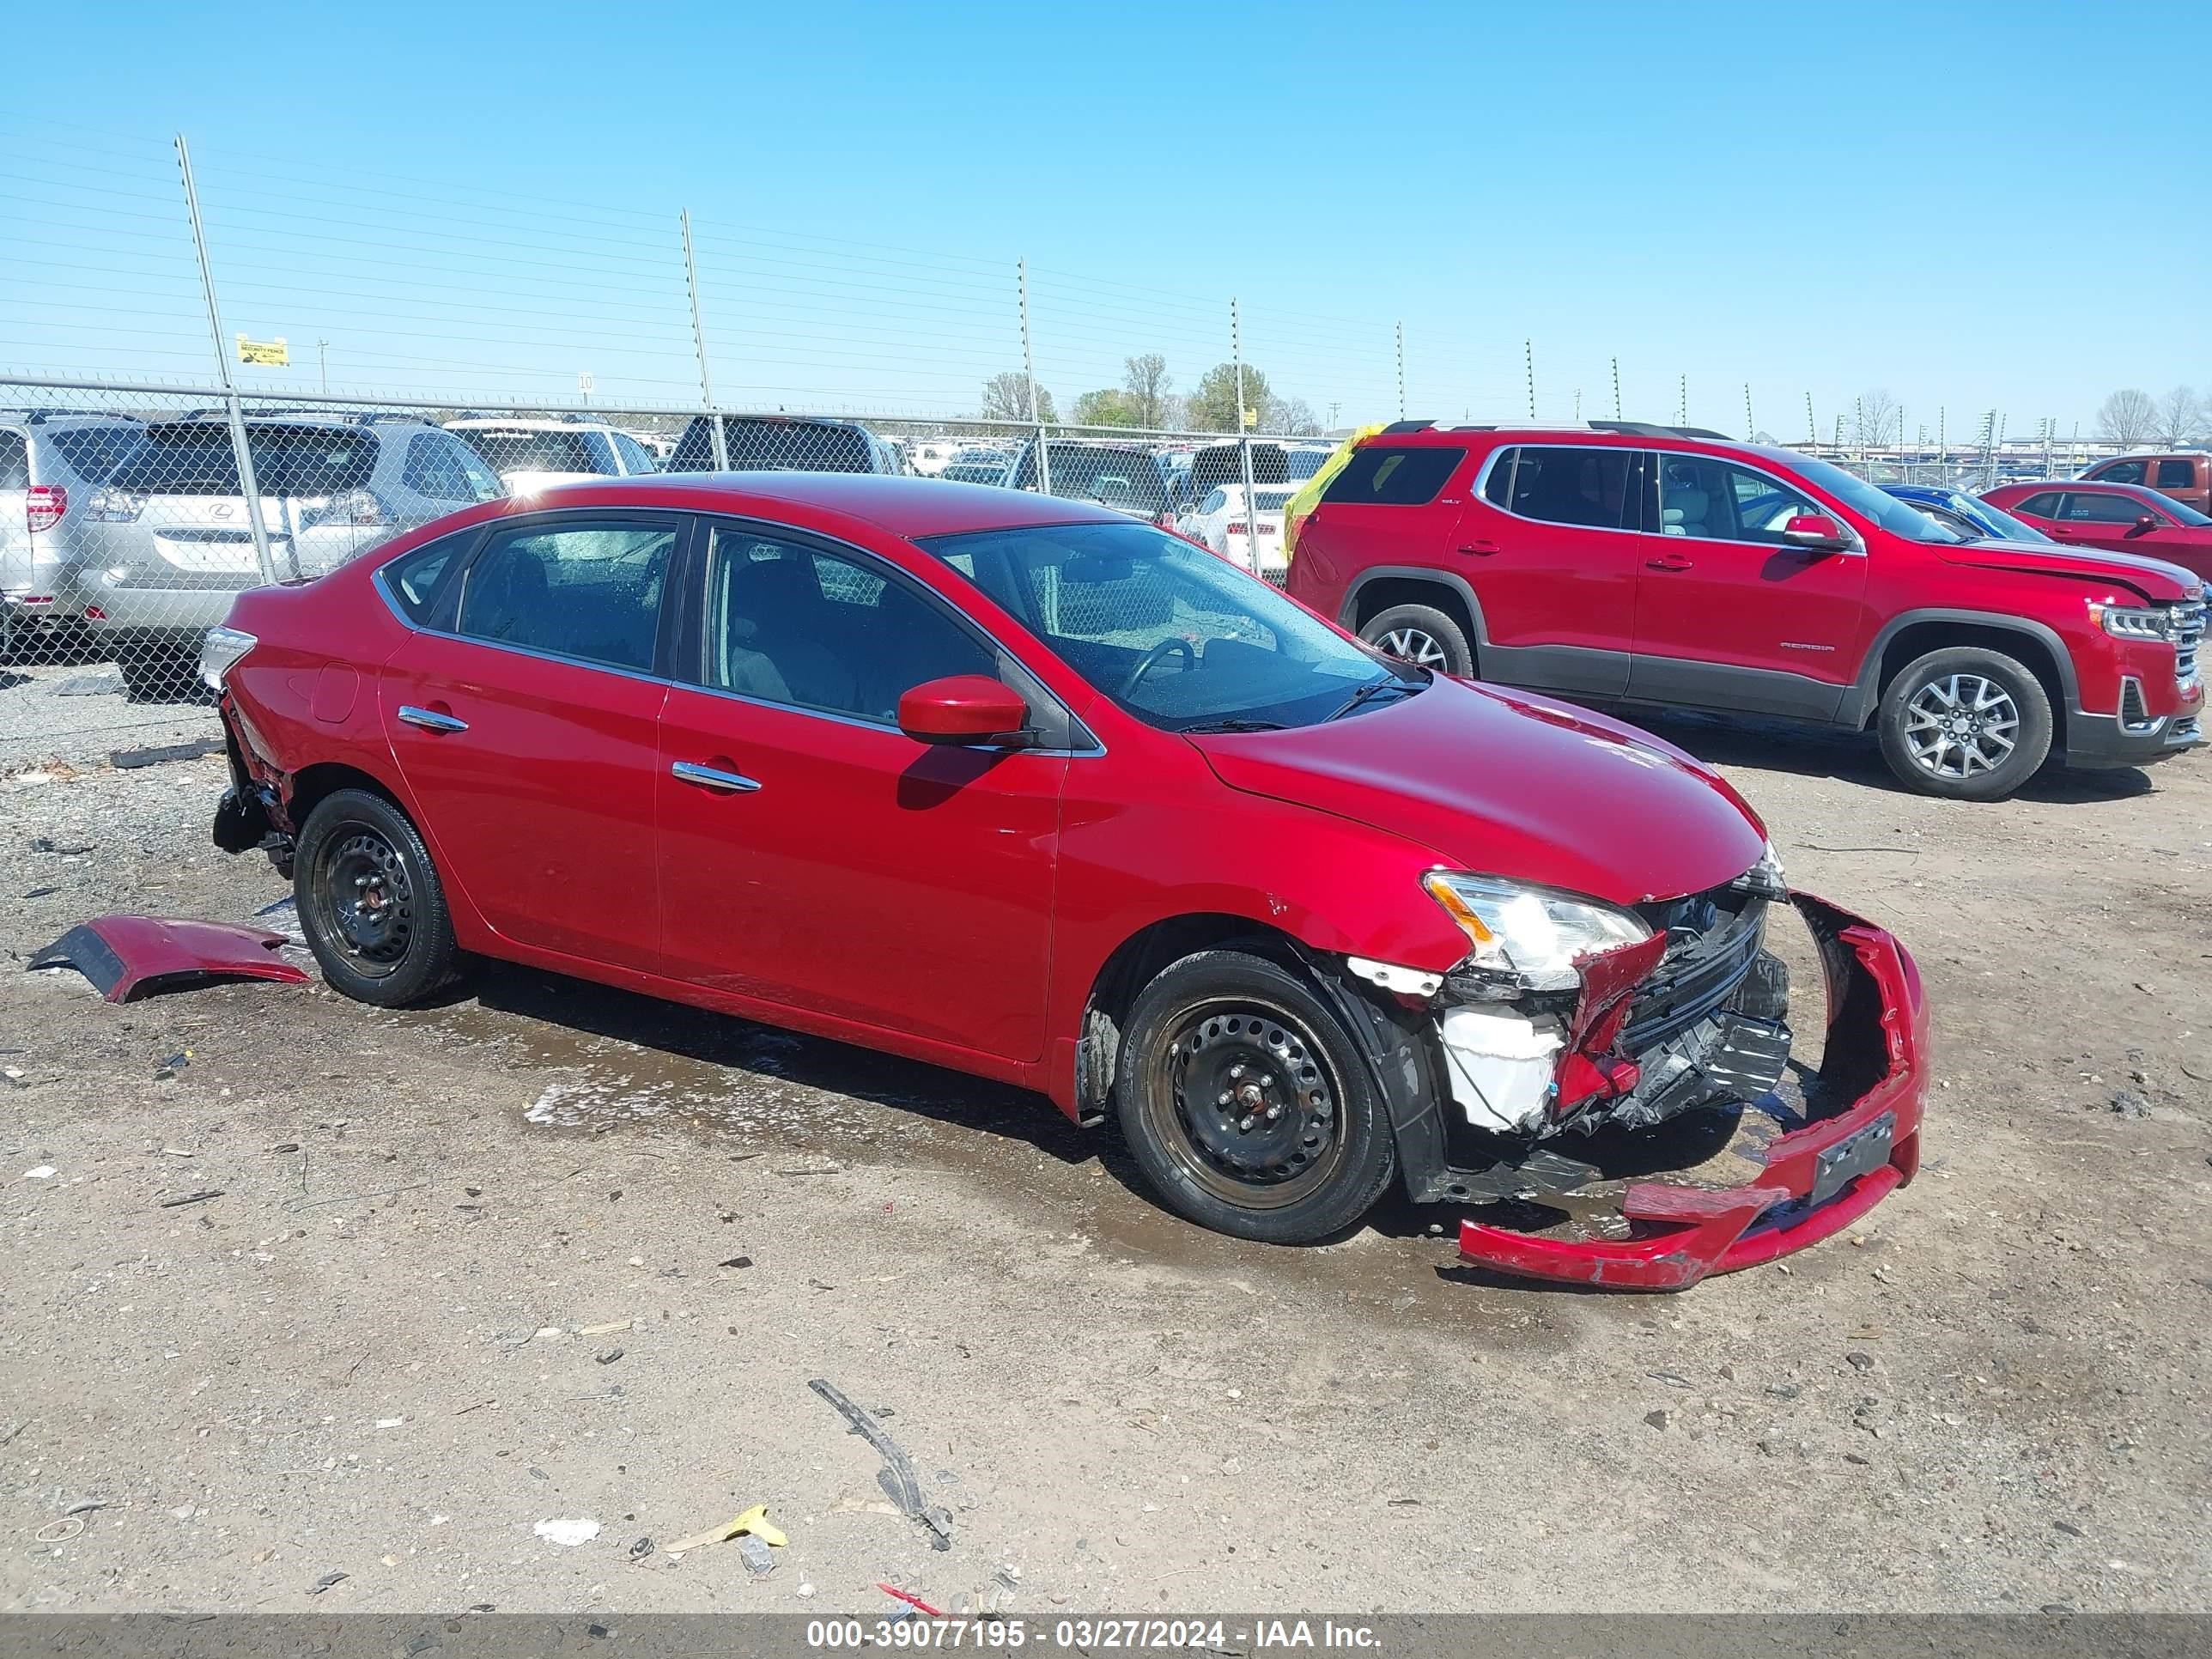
(77, 712)
(552, 1254)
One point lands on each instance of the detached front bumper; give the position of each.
(1820, 1178)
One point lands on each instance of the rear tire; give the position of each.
(1966, 723)
(370, 901)
(1423, 636)
(1300, 1148)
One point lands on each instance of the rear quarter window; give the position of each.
(14, 462)
(2045, 506)
(417, 581)
(1383, 476)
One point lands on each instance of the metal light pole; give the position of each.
(241, 451)
(699, 341)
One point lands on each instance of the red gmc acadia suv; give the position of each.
(1621, 562)
(1024, 787)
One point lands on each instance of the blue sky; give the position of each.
(482, 198)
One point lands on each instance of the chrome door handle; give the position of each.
(430, 719)
(708, 777)
(1666, 565)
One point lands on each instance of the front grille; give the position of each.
(1712, 939)
(2192, 618)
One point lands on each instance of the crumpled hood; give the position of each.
(2153, 579)
(1513, 785)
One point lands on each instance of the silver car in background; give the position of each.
(167, 542)
(52, 461)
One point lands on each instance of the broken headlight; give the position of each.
(1527, 933)
(1764, 878)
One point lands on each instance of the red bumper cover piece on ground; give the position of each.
(1819, 1179)
(127, 955)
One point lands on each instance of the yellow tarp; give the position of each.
(1308, 493)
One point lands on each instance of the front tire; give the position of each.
(1423, 636)
(1248, 1105)
(371, 903)
(1966, 723)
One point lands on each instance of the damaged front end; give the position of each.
(1573, 1026)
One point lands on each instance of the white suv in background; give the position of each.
(534, 454)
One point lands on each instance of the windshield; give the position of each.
(1180, 639)
(1872, 502)
(524, 451)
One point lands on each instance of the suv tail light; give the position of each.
(43, 506)
(357, 506)
(114, 507)
(1235, 526)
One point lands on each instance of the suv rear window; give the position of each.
(774, 445)
(14, 462)
(95, 452)
(1127, 478)
(194, 458)
(510, 450)
(1387, 477)
(2169, 473)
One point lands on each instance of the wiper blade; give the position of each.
(1233, 725)
(1372, 689)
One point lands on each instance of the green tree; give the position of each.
(1007, 397)
(1212, 406)
(1146, 379)
(1109, 406)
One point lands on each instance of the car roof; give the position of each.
(907, 506)
(2083, 487)
(527, 423)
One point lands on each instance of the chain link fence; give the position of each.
(132, 515)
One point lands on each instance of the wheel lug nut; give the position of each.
(1226, 1096)
(1237, 1070)
(1274, 1113)
(1242, 1124)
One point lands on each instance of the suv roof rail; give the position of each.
(1397, 428)
(40, 417)
(1652, 430)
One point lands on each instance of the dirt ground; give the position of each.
(552, 1253)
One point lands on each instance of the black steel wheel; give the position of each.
(1247, 1104)
(370, 901)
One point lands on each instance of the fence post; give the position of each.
(699, 339)
(1029, 370)
(1244, 443)
(241, 452)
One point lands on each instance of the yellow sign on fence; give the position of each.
(273, 354)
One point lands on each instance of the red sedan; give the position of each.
(1026, 788)
(2121, 518)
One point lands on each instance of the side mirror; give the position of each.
(964, 708)
(1816, 532)
(2142, 526)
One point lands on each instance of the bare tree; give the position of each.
(1007, 397)
(2128, 418)
(2181, 417)
(1292, 416)
(1878, 418)
(1146, 379)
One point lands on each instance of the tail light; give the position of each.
(220, 652)
(114, 507)
(43, 506)
(355, 507)
(1236, 527)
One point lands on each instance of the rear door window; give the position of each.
(447, 470)
(15, 461)
(2045, 506)
(1386, 476)
(2085, 506)
(635, 457)
(2122, 473)
(2176, 474)
(1565, 483)
(583, 589)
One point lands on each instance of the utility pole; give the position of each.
(1244, 441)
(1028, 372)
(1578, 405)
(1682, 403)
(699, 341)
(1811, 427)
(1528, 355)
(1616, 388)
(241, 451)
(1750, 427)
(1858, 407)
(1401, 369)
(323, 365)
(1333, 407)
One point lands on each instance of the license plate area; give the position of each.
(1853, 1156)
